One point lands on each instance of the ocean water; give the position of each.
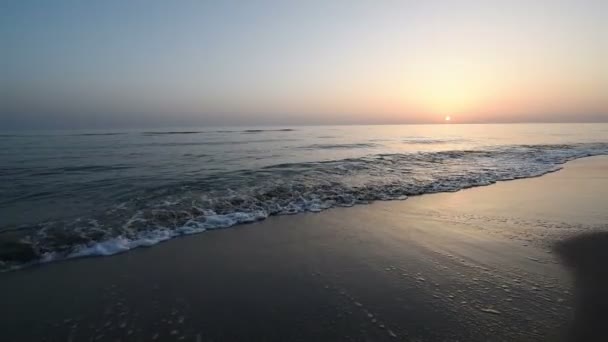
(67, 194)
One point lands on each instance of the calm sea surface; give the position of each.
(76, 193)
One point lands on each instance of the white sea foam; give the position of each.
(122, 244)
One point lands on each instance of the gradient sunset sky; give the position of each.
(150, 63)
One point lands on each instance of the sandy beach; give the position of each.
(474, 265)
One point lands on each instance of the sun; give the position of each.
(448, 118)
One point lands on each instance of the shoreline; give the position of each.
(119, 244)
(472, 265)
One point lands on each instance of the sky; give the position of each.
(173, 63)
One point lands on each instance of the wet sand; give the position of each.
(476, 265)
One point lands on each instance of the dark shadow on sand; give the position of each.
(586, 256)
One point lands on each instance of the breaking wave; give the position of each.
(231, 198)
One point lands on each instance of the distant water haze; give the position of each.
(77, 64)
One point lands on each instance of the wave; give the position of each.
(268, 130)
(430, 141)
(96, 134)
(214, 143)
(172, 132)
(250, 131)
(337, 146)
(79, 169)
(196, 155)
(60, 135)
(231, 198)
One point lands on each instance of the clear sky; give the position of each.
(151, 63)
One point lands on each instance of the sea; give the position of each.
(77, 193)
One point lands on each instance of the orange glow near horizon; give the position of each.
(385, 62)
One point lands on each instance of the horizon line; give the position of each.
(129, 127)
